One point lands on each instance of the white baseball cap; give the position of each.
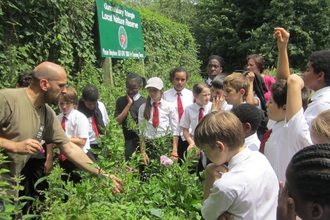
(155, 82)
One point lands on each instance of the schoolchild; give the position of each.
(218, 94)
(75, 125)
(250, 117)
(291, 131)
(157, 119)
(194, 113)
(236, 87)
(248, 187)
(181, 97)
(306, 192)
(320, 128)
(128, 106)
(24, 80)
(96, 114)
(316, 76)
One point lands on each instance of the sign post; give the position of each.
(120, 32)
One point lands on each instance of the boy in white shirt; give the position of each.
(218, 94)
(96, 114)
(75, 125)
(290, 133)
(249, 189)
(236, 87)
(250, 117)
(316, 76)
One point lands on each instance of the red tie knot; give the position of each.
(156, 104)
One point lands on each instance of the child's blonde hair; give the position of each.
(321, 125)
(238, 81)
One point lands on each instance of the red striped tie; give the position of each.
(94, 127)
(61, 156)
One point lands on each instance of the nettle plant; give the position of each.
(168, 192)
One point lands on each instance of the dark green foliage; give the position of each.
(36, 31)
(233, 29)
(65, 32)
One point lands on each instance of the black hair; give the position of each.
(310, 170)
(218, 58)
(279, 91)
(248, 113)
(320, 61)
(217, 82)
(24, 79)
(176, 70)
(90, 93)
(133, 77)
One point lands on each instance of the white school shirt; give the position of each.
(249, 190)
(286, 139)
(76, 126)
(92, 135)
(259, 102)
(252, 142)
(168, 120)
(225, 106)
(190, 116)
(320, 102)
(187, 99)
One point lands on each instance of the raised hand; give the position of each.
(250, 76)
(217, 102)
(282, 37)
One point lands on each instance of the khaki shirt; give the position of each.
(20, 120)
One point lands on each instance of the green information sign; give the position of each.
(120, 31)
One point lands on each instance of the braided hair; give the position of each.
(310, 170)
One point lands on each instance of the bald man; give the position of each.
(25, 120)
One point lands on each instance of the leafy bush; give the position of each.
(168, 193)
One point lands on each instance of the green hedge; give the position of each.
(65, 32)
